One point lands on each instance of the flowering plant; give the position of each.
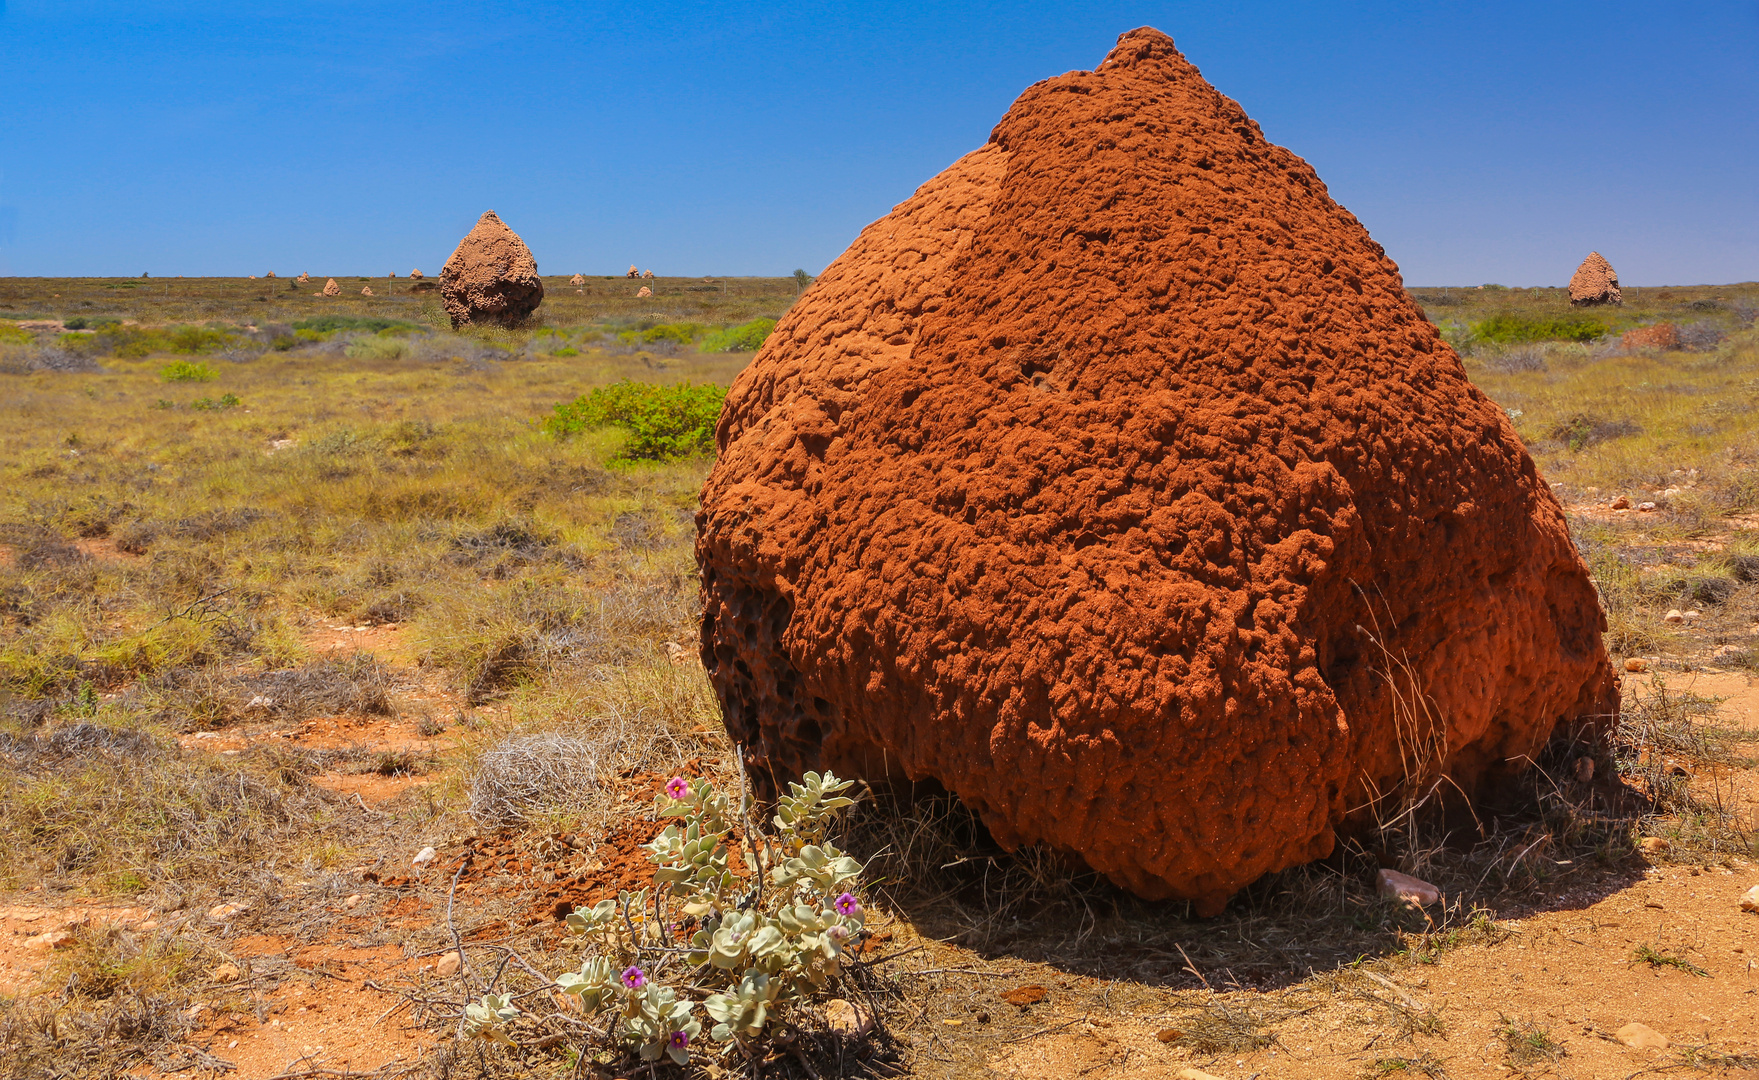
(744, 945)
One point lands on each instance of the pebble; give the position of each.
(1674, 616)
(848, 1018)
(51, 939)
(222, 912)
(424, 856)
(1750, 902)
(225, 973)
(1621, 503)
(1404, 887)
(1641, 1036)
(1654, 845)
(449, 964)
(1636, 664)
(1645, 507)
(352, 902)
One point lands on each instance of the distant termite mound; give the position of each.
(417, 274)
(492, 278)
(577, 279)
(1595, 282)
(1113, 481)
(331, 288)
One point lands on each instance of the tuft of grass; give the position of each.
(1655, 958)
(1528, 1043)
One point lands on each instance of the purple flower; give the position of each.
(634, 978)
(677, 787)
(680, 1039)
(848, 905)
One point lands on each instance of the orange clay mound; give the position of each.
(1655, 336)
(366, 291)
(633, 272)
(270, 274)
(417, 274)
(1099, 481)
(303, 279)
(577, 280)
(491, 278)
(643, 292)
(331, 288)
(1595, 282)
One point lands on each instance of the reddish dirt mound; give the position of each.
(491, 278)
(1113, 481)
(1658, 336)
(1594, 282)
(331, 288)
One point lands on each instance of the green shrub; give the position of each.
(377, 348)
(90, 322)
(748, 337)
(140, 341)
(566, 350)
(185, 371)
(663, 421)
(329, 324)
(677, 333)
(227, 401)
(1515, 329)
(10, 333)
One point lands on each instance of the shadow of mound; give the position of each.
(1537, 846)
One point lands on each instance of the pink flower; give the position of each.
(680, 1039)
(634, 978)
(677, 787)
(848, 905)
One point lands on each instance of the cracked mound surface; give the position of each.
(1113, 481)
(1595, 282)
(491, 278)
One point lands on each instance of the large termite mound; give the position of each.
(491, 278)
(1595, 282)
(1113, 481)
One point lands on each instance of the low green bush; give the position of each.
(329, 324)
(747, 337)
(226, 401)
(377, 348)
(1517, 329)
(663, 422)
(141, 341)
(185, 371)
(10, 333)
(677, 333)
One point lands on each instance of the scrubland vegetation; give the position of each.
(205, 479)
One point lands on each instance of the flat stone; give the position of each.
(52, 939)
(1391, 883)
(1750, 902)
(848, 1018)
(1641, 1036)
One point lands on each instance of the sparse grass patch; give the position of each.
(1655, 958)
(1528, 1043)
(186, 371)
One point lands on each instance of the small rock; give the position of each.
(1750, 902)
(449, 964)
(1621, 503)
(1641, 1036)
(352, 902)
(1728, 652)
(1636, 664)
(676, 653)
(1693, 614)
(1391, 883)
(1654, 845)
(226, 973)
(1670, 492)
(1645, 507)
(1168, 1035)
(1194, 1074)
(194, 1012)
(222, 912)
(1584, 769)
(424, 856)
(52, 939)
(847, 1018)
(1674, 616)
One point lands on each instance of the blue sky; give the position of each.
(1478, 142)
